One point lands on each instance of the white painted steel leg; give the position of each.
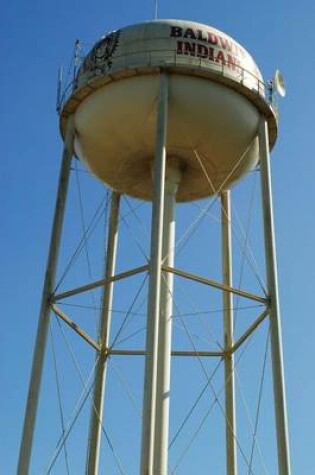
(275, 320)
(104, 333)
(230, 413)
(43, 323)
(165, 324)
(149, 397)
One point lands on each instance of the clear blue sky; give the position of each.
(37, 37)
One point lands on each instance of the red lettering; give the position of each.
(189, 49)
(202, 51)
(211, 54)
(189, 33)
(176, 32)
(225, 43)
(212, 38)
(232, 62)
(220, 57)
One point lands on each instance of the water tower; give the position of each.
(166, 111)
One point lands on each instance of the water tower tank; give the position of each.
(216, 96)
(192, 100)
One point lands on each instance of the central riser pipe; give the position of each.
(165, 325)
(155, 274)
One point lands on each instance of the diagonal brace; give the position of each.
(100, 283)
(75, 327)
(215, 284)
(250, 330)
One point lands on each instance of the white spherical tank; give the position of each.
(216, 98)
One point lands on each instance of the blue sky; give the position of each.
(36, 38)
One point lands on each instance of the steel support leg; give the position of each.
(165, 324)
(43, 323)
(104, 334)
(275, 320)
(150, 377)
(230, 415)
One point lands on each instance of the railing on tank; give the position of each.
(157, 58)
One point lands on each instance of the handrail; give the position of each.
(169, 58)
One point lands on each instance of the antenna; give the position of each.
(278, 84)
(59, 87)
(155, 9)
(76, 57)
